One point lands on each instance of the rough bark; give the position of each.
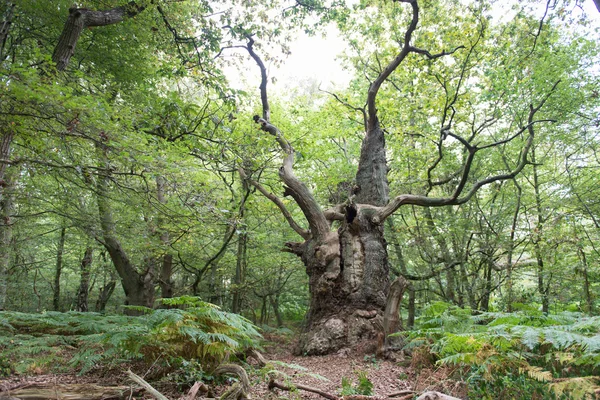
(348, 281)
(392, 322)
(82, 18)
(58, 270)
(72, 391)
(84, 282)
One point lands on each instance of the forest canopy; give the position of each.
(458, 164)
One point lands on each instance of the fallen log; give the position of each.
(70, 392)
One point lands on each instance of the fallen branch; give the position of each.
(273, 384)
(407, 394)
(260, 359)
(153, 392)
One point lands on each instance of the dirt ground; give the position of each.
(322, 372)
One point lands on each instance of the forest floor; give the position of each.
(322, 372)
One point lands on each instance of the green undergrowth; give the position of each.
(521, 355)
(186, 333)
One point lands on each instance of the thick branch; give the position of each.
(81, 18)
(266, 114)
(391, 67)
(308, 204)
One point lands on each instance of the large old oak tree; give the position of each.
(348, 266)
(351, 299)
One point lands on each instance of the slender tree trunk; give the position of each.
(240, 272)
(440, 239)
(511, 249)
(83, 291)
(587, 295)
(274, 299)
(410, 321)
(240, 267)
(59, 265)
(543, 287)
(392, 321)
(7, 185)
(166, 267)
(105, 292)
(467, 284)
(5, 28)
(487, 287)
(36, 291)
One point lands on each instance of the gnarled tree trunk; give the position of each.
(138, 286)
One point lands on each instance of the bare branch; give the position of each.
(430, 56)
(277, 201)
(456, 198)
(350, 106)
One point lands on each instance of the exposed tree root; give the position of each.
(240, 390)
(260, 359)
(197, 387)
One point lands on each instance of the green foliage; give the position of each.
(522, 347)
(31, 343)
(198, 332)
(363, 387)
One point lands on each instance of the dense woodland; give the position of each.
(448, 195)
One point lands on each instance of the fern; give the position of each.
(197, 331)
(536, 346)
